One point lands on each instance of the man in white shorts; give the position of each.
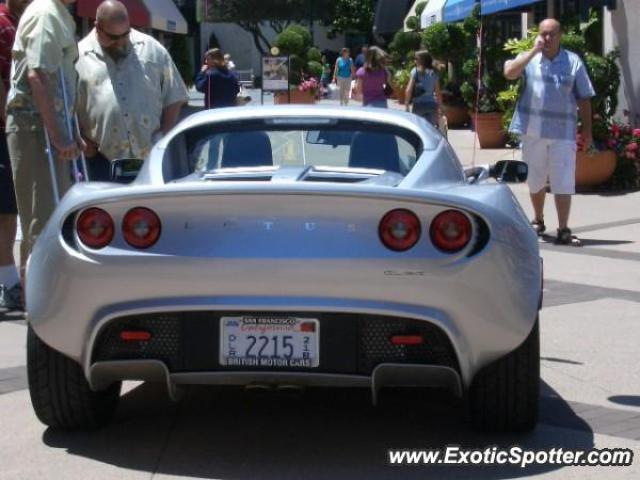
(556, 83)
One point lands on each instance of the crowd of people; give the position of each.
(368, 78)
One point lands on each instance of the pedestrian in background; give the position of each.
(555, 83)
(44, 52)
(10, 290)
(423, 90)
(325, 78)
(343, 74)
(129, 91)
(372, 79)
(219, 85)
(360, 58)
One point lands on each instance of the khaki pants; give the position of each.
(34, 192)
(344, 84)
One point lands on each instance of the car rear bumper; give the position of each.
(102, 374)
(354, 350)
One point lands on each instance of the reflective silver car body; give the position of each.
(291, 246)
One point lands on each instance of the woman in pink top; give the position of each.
(372, 78)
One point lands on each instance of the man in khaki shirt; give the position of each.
(45, 43)
(129, 92)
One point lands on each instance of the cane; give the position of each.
(52, 168)
(67, 117)
(50, 152)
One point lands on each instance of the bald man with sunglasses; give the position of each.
(129, 90)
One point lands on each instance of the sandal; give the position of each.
(564, 237)
(538, 226)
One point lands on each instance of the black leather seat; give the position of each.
(374, 150)
(246, 149)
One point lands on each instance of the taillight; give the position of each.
(399, 229)
(450, 231)
(141, 227)
(95, 228)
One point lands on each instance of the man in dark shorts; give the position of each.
(10, 291)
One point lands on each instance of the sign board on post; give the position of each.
(275, 74)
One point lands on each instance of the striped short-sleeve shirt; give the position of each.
(547, 107)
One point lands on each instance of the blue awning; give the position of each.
(456, 10)
(493, 6)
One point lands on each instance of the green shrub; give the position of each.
(296, 63)
(401, 78)
(290, 43)
(413, 23)
(314, 55)
(403, 43)
(304, 33)
(314, 69)
(304, 60)
(574, 42)
(420, 8)
(445, 41)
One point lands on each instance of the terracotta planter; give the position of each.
(457, 115)
(399, 94)
(594, 168)
(297, 96)
(489, 128)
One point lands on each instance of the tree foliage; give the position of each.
(253, 15)
(352, 16)
(445, 41)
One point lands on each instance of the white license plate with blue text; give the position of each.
(249, 341)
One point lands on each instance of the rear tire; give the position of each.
(60, 394)
(505, 395)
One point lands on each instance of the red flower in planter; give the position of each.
(632, 147)
(615, 130)
(636, 132)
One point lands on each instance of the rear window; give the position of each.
(278, 143)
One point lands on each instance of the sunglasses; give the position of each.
(114, 37)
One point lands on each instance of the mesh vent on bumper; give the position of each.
(349, 344)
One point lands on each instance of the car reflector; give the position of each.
(135, 336)
(407, 340)
(399, 229)
(95, 228)
(141, 227)
(450, 231)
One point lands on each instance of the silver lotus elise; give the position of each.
(289, 246)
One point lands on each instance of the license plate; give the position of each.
(269, 342)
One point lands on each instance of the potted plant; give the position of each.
(402, 51)
(596, 166)
(480, 90)
(625, 142)
(449, 44)
(304, 66)
(400, 82)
